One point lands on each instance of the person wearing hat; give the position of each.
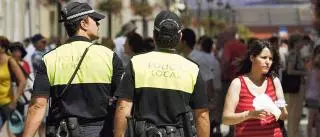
(79, 77)
(127, 29)
(162, 88)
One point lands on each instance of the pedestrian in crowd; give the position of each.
(283, 53)
(162, 88)
(205, 61)
(120, 41)
(275, 44)
(312, 94)
(40, 44)
(250, 101)
(18, 53)
(134, 45)
(187, 49)
(293, 83)
(232, 51)
(306, 49)
(9, 70)
(214, 87)
(79, 91)
(187, 43)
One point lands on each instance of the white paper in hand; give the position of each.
(264, 102)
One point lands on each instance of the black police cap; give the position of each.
(168, 23)
(75, 10)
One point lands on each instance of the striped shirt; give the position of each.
(267, 127)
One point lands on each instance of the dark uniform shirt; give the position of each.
(162, 85)
(95, 82)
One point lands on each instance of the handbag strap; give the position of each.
(75, 72)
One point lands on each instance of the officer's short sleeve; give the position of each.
(126, 87)
(41, 86)
(199, 98)
(117, 72)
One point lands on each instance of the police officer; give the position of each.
(82, 109)
(161, 87)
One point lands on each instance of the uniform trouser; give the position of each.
(96, 129)
(295, 105)
(91, 131)
(144, 129)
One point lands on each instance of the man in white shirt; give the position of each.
(119, 42)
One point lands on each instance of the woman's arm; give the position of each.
(280, 96)
(20, 77)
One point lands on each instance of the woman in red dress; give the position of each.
(256, 79)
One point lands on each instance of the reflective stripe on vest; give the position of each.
(95, 68)
(165, 71)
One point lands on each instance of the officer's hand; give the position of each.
(258, 114)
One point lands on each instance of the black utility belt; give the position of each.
(145, 129)
(71, 126)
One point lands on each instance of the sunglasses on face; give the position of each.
(97, 22)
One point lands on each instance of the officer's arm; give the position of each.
(117, 73)
(35, 115)
(37, 107)
(123, 110)
(202, 122)
(199, 104)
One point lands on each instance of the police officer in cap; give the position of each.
(159, 88)
(79, 107)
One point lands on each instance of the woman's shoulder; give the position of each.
(236, 81)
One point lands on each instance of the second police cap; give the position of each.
(168, 23)
(75, 10)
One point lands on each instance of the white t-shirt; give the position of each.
(30, 50)
(119, 49)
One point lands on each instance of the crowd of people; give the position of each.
(252, 85)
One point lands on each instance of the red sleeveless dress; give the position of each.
(267, 127)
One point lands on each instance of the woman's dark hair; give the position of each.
(4, 43)
(254, 50)
(18, 46)
(135, 42)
